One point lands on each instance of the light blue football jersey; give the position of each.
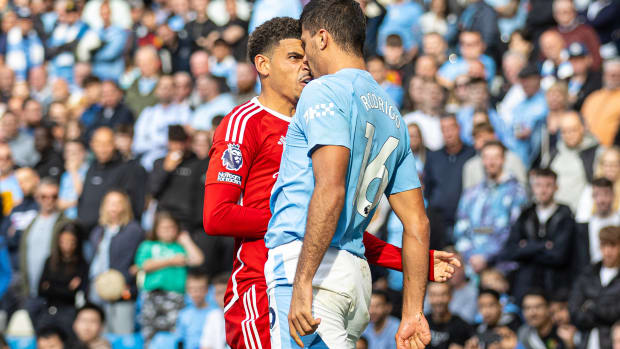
(347, 109)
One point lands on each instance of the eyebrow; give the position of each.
(297, 54)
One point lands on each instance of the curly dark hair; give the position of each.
(343, 19)
(267, 35)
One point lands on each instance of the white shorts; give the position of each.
(341, 289)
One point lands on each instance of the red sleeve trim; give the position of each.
(431, 265)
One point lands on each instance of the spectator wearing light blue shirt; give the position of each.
(190, 322)
(264, 10)
(108, 62)
(214, 102)
(472, 50)
(402, 18)
(376, 67)
(72, 179)
(382, 328)
(24, 49)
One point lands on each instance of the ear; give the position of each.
(262, 64)
(322, 38)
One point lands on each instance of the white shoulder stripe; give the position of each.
(231, 119)
(245, 121)
(238, 121)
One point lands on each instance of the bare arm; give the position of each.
(194, 254)
(409, 207)
(330, 165)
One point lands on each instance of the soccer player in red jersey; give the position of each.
(245, 159)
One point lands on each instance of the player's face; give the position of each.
(288, 71)
(312, 51)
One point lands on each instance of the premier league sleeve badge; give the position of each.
(232, 159)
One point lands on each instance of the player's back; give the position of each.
(347, 109)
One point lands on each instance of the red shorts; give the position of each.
(247, 320)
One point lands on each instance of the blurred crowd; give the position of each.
(108, 108)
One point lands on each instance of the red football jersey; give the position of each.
(246, 152)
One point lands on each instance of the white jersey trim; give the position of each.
(271, 111)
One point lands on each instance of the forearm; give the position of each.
(415, 267)
(323, 214)
(194, 254)
(156, 264)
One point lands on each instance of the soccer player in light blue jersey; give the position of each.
(346, 146)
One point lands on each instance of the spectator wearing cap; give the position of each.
(24, 49)
(472, 48)
(175, 50)
(141, 93)
(112, 113)
(487, 211)
(541, 240)
(446, 328)
(538, 328)
(108, 61)
(174, 180)
(584, 80)
(114, 243)
(150, 132)
(20, 141)
(473, 170)
(382, 327)
(214, 101)
(108, 171)
(64, 39)
(443, 172)
(593, 304)
(572, 30)
(528, 117)
(377, 68)
(601, 109)
(574, 160)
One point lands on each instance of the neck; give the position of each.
(495, 178)
(441, 317)
(454, 148)
(546, 204)
(276, 101)
(604, 214)
(545, 329)
(343, 60)
(379, 324)
(46, 213)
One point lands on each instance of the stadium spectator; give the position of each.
(64, 274)
(493, 315)
(214, 101)
(414, 97)
(494, 279)
(175, 50)
(175, 178)
(438, 20)
(24, 49)
(246, 78)
(108, 60)
(426, 67)
(39, 240)
(382, 328)
(601, 109)
(435, 45)
(214, 331)
(584, 80)
(572, 30)
(574, 160)
(377, 68)
(199, 64)
(402, 18)
(183, 86)
(593, 303)
(479, 234)
(400, 64)
(419, 150)
(112, 112)
(560, 315)
(40, 87)
(558, 104)
(443, 172)
(541, 240)
(51, 337)
(447, 329)
(164, 257)
(428, 114)
(555, 63)
(50, 162)
(141, 92)
(221, 63)
(488, 29)
(150, 132)
(109, 171)
(473, 169)
(538, 328)
(20, 141)
(88, 327)
(511, 92)
(464, 295)
(114, 243)
(192, 318)
(528, 117)
(200, 29)
(608, 167)
(472, 48)
(9, 187)
(32, 115)
(478, 100)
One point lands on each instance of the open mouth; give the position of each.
(305, 80)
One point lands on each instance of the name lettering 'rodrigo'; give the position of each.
(372, 101)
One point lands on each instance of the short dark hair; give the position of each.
(536, 292)
(220, 279)
(270, 33)
(394, 40)
(382, 293)
(93, 307)
(197, 273)
(545, 172)
(482, 128)
(560, 296)
(91, 80)
(343, 19)
(124, 129)
(476, 81)
(375, 58)
(50, 331)
(489, 292)
(610, 235)
(493, 143)
(602, 182)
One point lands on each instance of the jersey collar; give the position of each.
(271, 111)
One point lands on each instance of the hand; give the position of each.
(74, 283)
(172, 160)
(567, 334)
(183, 237)
(523, 134)
(444, 264)
(478, 262)
(300, 319)
(413, 332)
(178, 261)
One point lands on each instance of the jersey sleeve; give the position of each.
(324, 116)
(405, 175)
